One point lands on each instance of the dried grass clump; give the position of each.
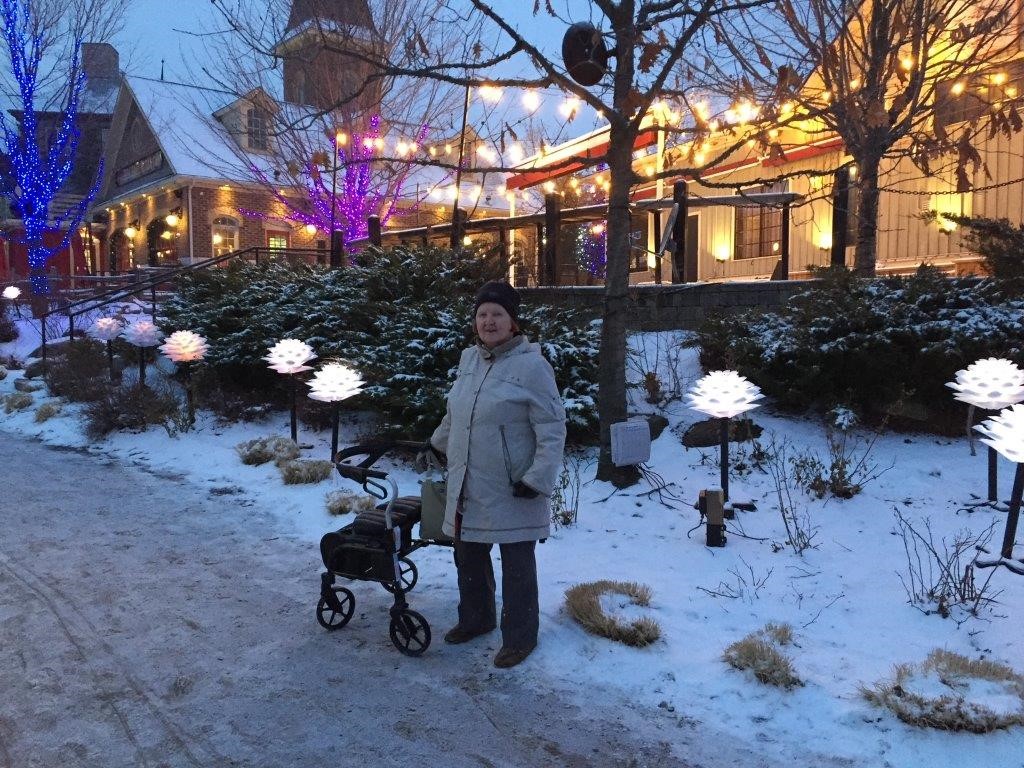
(46, 411)
(583, 602)
(951, 711)
(26, 385)
(759, 653)
(341, 502)
(264, 449)
(17, 401)
(305, 471)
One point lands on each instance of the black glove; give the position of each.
(522, 491)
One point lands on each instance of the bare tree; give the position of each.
(473, 44)
(894, 79)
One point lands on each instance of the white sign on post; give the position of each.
(631, 442)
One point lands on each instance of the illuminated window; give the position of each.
(759, 227)
(277, 241)
(225, 235)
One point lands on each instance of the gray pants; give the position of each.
(519, 609)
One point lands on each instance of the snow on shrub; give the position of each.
(872, 345)
(402, 319)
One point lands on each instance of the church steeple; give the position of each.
(339, 79)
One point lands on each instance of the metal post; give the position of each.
(682, 272)
(373, 230)
(840, 216)
(540, 254)
(1011, 518)
(993, 490)
(784, 244)
(142, 367)
(335, 260)
(110, 360)
(152, 301)
(42, 332)
(723, 437)
(334, 431)
(71, 326)
(189, 396)
(455, 239)
(552, 224)
(294, 424)
(656, 228)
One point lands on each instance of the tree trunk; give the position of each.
(865, 253)
(611, 396)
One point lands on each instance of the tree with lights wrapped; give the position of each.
(340, 193)
(38, 162)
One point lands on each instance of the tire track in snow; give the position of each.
(81, 633)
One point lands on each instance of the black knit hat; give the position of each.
(501, 293)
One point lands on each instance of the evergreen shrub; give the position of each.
(878, 346)
(401, 317)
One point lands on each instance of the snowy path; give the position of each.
(143, 624)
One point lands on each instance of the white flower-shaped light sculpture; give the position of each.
(332, 384)
(1004, 433)
(290, 356)
(722, 395)
(106, 329)
(185, 347)
(992, 384)
(335, 382)
(143, 334)
(11, 293)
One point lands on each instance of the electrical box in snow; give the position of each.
(631, 442)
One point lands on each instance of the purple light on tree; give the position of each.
(361, 190)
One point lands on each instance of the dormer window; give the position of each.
(256, 128)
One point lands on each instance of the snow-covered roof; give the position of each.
(99, 96)
(181, 117)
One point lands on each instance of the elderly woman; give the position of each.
(503, 435)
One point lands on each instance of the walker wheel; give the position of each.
(409, 575)
(410, 633)
(334, 612)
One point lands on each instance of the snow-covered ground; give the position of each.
(844, 597)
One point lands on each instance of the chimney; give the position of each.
(100, 61)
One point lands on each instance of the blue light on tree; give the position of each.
(36, 169)
(592, 249)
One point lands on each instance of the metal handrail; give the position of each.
(88, 304)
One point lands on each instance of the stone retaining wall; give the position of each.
(674, 307)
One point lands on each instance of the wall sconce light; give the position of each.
(721, 252)
(132, 229)
(174, 217)
(825, 241)
(310, 229)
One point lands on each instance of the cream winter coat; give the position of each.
(505, 422)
